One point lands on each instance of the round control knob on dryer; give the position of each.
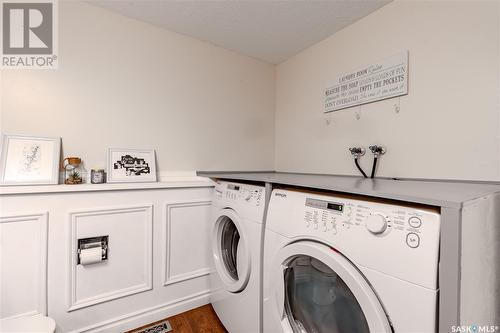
(376, 224)
(247, 195)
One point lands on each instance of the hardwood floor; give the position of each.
(199, 320)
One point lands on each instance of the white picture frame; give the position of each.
(125, 165)
(29, 160)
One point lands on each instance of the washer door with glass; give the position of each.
(230, 251)
(318, 290)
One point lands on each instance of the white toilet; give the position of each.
(28, 324)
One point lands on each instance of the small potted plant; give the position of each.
(72, 170)
(74, 177)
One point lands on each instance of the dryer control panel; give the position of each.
(241, 192)
(248, 200)
(329, 216)
(395, 238)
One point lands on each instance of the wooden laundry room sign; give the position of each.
(383, 79)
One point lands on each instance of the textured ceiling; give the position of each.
(272, 31)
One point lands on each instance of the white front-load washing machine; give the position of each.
(347, 264)
(236, 290)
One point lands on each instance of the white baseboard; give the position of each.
(147, 316)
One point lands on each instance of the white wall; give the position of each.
(448, 126)
(124, 83)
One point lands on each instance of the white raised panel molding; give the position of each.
(111, 212)
(195, 239)
(16, 288)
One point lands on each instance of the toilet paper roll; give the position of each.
(91, 256)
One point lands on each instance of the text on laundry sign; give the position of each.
(385, 79)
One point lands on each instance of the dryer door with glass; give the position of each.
(230, 251)
(318, 290)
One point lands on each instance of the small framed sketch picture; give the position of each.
(28, 160)
(131, 165)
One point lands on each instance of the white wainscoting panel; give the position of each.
(187, 248)
(23, 269)
(128, 269)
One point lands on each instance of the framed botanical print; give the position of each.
(29, 160)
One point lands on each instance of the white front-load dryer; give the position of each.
(336, 263)
(236, 290)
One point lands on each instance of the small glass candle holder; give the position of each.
(97, 176)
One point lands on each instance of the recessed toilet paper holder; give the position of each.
(93, 242)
